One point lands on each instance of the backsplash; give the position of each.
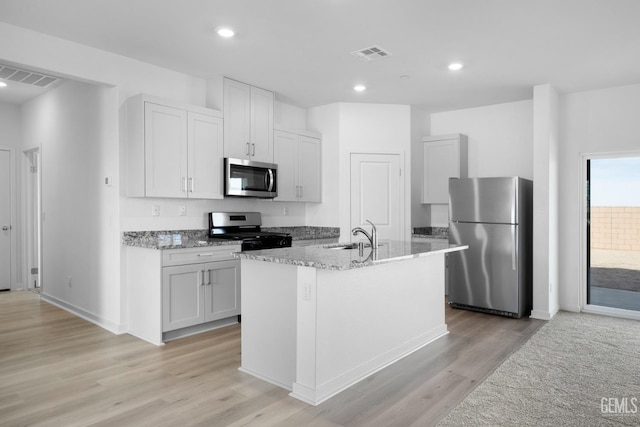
(439, 232)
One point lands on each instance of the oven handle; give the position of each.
(269, 179)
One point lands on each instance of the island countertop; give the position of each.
(333, 257)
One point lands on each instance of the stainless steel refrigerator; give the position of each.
(494, 216)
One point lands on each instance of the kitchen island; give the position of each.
(317, 319)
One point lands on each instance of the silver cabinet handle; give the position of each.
(253, 146)
(248, 149)
(205, 254)
(184, 184)
(301, 191)
(204, 272)
(191, 185)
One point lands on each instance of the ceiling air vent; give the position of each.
(28, 77)
(371, 53)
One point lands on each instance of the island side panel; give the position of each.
(366, 319)
(144, 293)
(268, 336)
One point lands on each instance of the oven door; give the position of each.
(250, 179)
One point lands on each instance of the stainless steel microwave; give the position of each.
(247, 178)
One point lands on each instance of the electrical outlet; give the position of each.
(182, 210)
(306, 292)
(285, 211)
(155, 210)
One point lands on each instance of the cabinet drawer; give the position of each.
(198, 255)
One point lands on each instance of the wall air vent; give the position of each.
(371, 53)
(28, 77)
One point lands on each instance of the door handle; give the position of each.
(301, 191)
(514, 250)
(253, 147)
(270, 180)
(191, 185)
(204, 272)
(248, 152)
(184, 184)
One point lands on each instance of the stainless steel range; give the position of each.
(245, 227)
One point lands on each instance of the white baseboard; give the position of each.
(90, 317)
(315, 396)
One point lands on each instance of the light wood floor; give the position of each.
(57, 369)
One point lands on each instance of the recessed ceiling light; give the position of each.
(226, 32)
(455, 66)
(359, 88)
(3, 84)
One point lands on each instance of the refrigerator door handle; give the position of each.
(514, 248)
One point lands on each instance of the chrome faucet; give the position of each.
(373, 237)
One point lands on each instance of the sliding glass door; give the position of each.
(613, 232)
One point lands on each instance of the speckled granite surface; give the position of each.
(306, 232)
(434, 232)
(171, 239)
(167, 239)
(330, 257)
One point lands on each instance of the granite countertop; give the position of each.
(329, 258)
(182, 239)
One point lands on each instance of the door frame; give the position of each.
(13, 262)
(27, 208)
(404, 187)
(584, 307)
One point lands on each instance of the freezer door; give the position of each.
(485, 275)
(492, 200)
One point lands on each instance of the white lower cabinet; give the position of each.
(179, 292)
(198, 293)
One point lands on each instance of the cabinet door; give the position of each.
(222, 292)
(205, 156)
(165, 145)
(182, 296)
(237, 119)
(285, 155)
(261, 125)
(441, 161)
(309, 169)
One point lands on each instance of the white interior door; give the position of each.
(376, 194)
(5, 219)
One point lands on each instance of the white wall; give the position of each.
(420, 127)
(600, 121)
(73, 125)
(500, 142)
(358, 128)
(326, 120)
(545, 202)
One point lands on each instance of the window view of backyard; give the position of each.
(614, 233)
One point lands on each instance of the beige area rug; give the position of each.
(577, 370)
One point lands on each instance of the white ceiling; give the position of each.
(301, 48)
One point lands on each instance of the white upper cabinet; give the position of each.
(444, 157)
(298, 160)
(248, 115)
(173, 150)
